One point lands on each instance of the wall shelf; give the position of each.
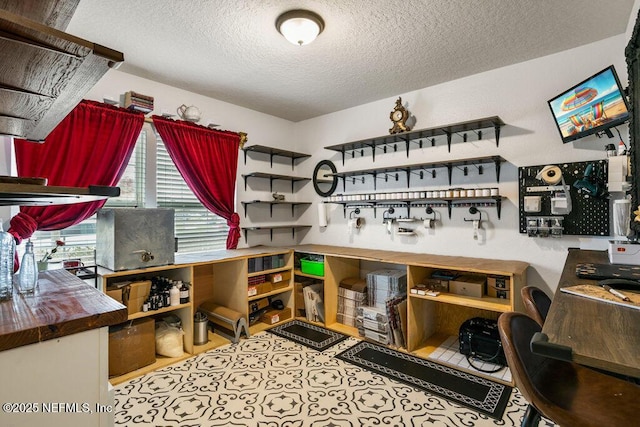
(419, 169)
(272, 152)
(273, 177)
(271, 204)
(420, 137)
(293, 228)
(43, 195)
(450, 203)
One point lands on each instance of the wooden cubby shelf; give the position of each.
(223, 276)
(420, 137)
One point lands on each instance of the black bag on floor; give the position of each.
(480, 339)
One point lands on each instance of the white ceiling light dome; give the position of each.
(300, 27)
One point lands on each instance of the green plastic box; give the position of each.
(312, 267)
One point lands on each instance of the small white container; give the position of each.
(449, 193)
(429, 194)
(423, 194)
(456, 192)
(478, 192)
(486, 192)
(442, 193)
(405, 195)
(494, 192)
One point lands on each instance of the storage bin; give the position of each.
(312, 267)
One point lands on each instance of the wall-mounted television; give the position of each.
(593, 105)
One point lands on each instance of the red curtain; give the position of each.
(207, 159)
(91, 146)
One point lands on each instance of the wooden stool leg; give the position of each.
(531, 417)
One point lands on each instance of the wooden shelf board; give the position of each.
(272, 270)
(344, 329)
(214, 342)
(313, 276)
(142, 314)
(268, 294)
(160, 363)
(484, 303)
(261, 326)
(41, 195)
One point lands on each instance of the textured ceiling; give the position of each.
(369, 50)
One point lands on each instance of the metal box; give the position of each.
(128, 239)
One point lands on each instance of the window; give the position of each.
(196, 228)
(80, 239)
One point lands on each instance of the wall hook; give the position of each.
(430, 211)
(473, 210)
(355, 211)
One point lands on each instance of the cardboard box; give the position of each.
(116, 294)
(353, 288)
(498, 293)
(258, 305)
(468, 285)
(299, 300)
(132, 345)
(498, 286)
(275, 316)
(259, 289)
(135, 294)
(280, 277)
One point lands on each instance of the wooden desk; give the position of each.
(601, 335)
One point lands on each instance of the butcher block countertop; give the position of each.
(62, 305)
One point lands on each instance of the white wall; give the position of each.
(517, 93)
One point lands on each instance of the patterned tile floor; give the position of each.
(448, 353)
(269, 381)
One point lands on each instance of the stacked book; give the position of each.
(138, 102)
(385, 284)
(384, 319)
(373, 323)
(352, 293)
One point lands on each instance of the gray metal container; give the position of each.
(128, 239)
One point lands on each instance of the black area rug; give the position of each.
(480, 394)
(312, 336)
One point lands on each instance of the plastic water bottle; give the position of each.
(7, 253)
(28, 277)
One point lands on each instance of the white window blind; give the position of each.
(196, 228)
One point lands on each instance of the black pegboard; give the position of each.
(589, 215)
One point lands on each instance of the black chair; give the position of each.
(564, 392)
(536, 303)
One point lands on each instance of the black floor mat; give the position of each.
(480, 394)
(312, 336)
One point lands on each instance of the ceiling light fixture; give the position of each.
(300, 26)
